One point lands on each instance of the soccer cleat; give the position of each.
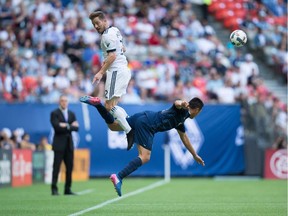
(117, 183)
(130, 139)
(90, 100)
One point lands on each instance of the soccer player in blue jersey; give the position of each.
(146, 124)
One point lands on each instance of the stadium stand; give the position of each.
(265, 23)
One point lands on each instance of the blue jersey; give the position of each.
(147, 123)
(167, 119)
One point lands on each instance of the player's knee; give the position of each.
(114, 127)
(108, 106)
(111, 126)
(145, 158)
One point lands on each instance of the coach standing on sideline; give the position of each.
(63, 122)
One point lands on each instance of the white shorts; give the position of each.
(116, 83)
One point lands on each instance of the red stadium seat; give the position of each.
(232, 23)
(230, 5)
(281, 21)
(223, 14)
(214, 7)
(240, 13)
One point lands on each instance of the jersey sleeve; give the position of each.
(181, 128)
(109, 42)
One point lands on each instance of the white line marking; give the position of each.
(141, 190)
(85, 192)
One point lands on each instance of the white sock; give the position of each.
(120, 115)
(124, 113)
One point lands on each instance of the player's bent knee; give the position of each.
(144, 154)
(114, 127)
(145, 158)
(108, 106)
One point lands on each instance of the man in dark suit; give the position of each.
(63, 122)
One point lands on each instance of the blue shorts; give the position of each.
(144, 133)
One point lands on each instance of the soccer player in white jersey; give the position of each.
(115, 66)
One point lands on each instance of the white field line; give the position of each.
(85, 191)
(141, 190)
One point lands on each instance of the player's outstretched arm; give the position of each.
(185, 140)
(180, 104)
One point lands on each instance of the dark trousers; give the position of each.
(68, 157)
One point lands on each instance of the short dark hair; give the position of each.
(196, 103)
(98, 14)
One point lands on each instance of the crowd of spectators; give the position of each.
(48, 48)
(267, 120)
(266, 26)
(19, 139)
(265, 22)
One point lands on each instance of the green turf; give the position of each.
(180, 197)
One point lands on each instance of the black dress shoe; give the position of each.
(69, 193)
(130, 139)
(55, 193)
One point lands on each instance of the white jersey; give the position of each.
(112, 41)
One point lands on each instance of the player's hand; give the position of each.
(98, 76)
(199, 160)
(184, 104)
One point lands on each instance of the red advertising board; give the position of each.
(276, 164)
(21, 167)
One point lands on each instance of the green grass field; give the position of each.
(181, 196)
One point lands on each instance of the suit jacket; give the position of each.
(62, 136)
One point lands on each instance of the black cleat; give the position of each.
(130, 139)
(69, 192)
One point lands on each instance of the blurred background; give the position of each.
(176, 49)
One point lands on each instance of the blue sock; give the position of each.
(109, 119)
(131, 167)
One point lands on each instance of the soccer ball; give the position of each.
(238, 38)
